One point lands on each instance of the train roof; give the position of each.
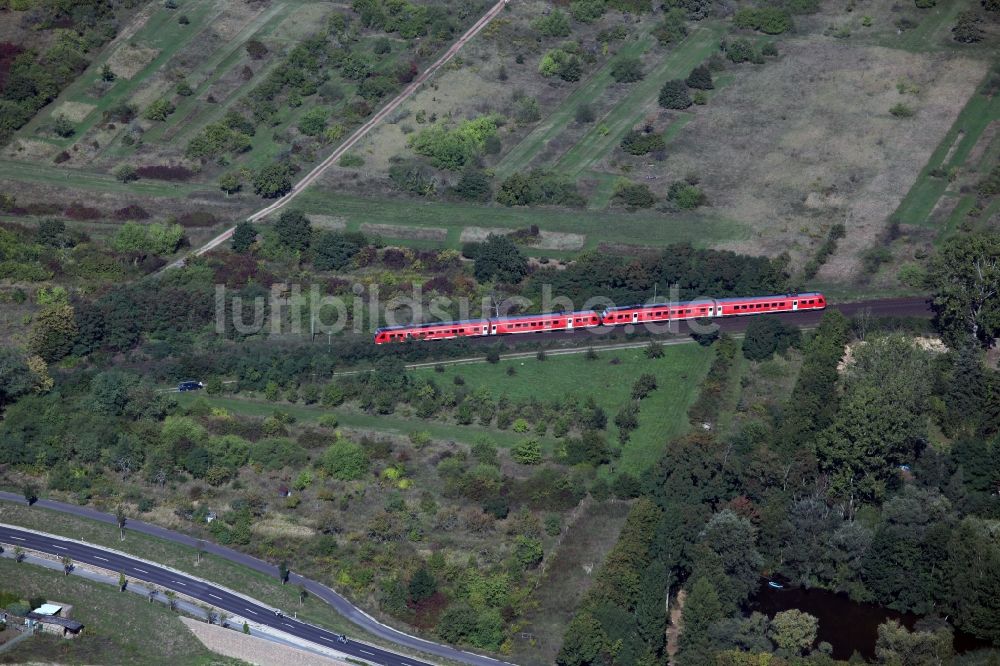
(675, 304)
(431, 325)
(544, 315)
(804, 294)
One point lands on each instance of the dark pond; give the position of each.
(844, 624)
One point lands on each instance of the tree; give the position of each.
(122, 581)
(585, 113)
(527, 452)
(19, 554)
(121, 518)
(528, 551)
(794, 631)
(294, 230)
(30, 493)
(700, 78)
(702, 609)
(769, 20)
(584, 642)
(474, 185)
(272, 181)
(63, 127)
(634, 195)
(898, 646)
(126, 173)
(965, 279)
(627, 70)
(283, 572)
(107, 74)
(974, 576)
(674, 95)
(246, 627)
(53, 332)
(244, 237)
(727, 555)
(345, 460)
(159, 110)
(201, 549)
(313, 122)
(765, 336)
(303, 594)
(333, 250)
(422, 585)
(498, 258)
(67, 564)
(231, 182)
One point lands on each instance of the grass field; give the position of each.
(952, 153)
(663, 414)
(119, 628)
(644, 228)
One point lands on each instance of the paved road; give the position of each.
(317, 171)
(239, 605)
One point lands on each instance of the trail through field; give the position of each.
(316, 172)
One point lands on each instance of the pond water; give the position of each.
(847, 625)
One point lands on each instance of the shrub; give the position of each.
(766, 336)
(966, 29)
(555, 24)
(198, 218)
(636, 142)
(63, 127)
(685, 195)
(901, 110)
(672, 28)
(474, 185)
(272, 181)
(452, 148)
(584, 113)
(351, 160)
(742, 50)
(527, 452)
(562, 63)
(313, 121)
(159, 110)
(587, 11)
(769, 49)
(538, 187)
(345, 460)
(769, 20)
(126, 173)
(627, 70)
(674, 95)
(700, 78)
(634, 195)
(255, 49)
(131, 212)
(165, 172)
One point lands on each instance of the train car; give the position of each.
(442, 330)
(640, 314)
(562, 321)
(754, 305)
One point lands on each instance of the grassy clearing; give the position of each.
(641, 98)
(663, 414)
(646, 228)
(951, 153)
(92, 180)
(120, 628)
(396, 425)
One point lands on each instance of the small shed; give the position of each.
(48, 609)
(54, 624)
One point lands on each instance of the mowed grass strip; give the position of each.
(119, 628)
(663, 414)
(521, 155)
(647, 228)
(13, 171)
(976, 115)
(389, 424)
(608, 131)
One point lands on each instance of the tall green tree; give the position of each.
(243, 237)
(294, 230)
(702, 609)
(498, 258)
(898, 646)
(965, 279)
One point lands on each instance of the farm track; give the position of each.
(358, 134)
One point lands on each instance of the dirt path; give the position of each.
(317, 171)
(674, 629)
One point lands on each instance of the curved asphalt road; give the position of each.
(235, 605)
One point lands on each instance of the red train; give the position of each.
(617, 316)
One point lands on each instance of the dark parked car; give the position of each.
(190, 385)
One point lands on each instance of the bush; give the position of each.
(674, 95)
(585, 113)
(126, 173)
(637, 142)
(345, 460)
(453, 148)
(527, 452)
(555, 24)
(562, 63)
(700, 78)
(272, 181)
(255, 49)
(672, 28)
(627, 70)
(685, 195)
(313, 121)
(333, 250)
(769, 20)
(351, 160)
(742, 50)
(587, 11)
(765, 336)
(159, 110)
(474, 185)
(538, 187)
(634, 195)
(966, 29)
(901, 110)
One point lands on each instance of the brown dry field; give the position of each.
(796, 145)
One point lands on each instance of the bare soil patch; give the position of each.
(74, 111)
(251, 649)
(479, 234)
(405, 232)
(332, 222)
(129, 60)
(554, 240)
